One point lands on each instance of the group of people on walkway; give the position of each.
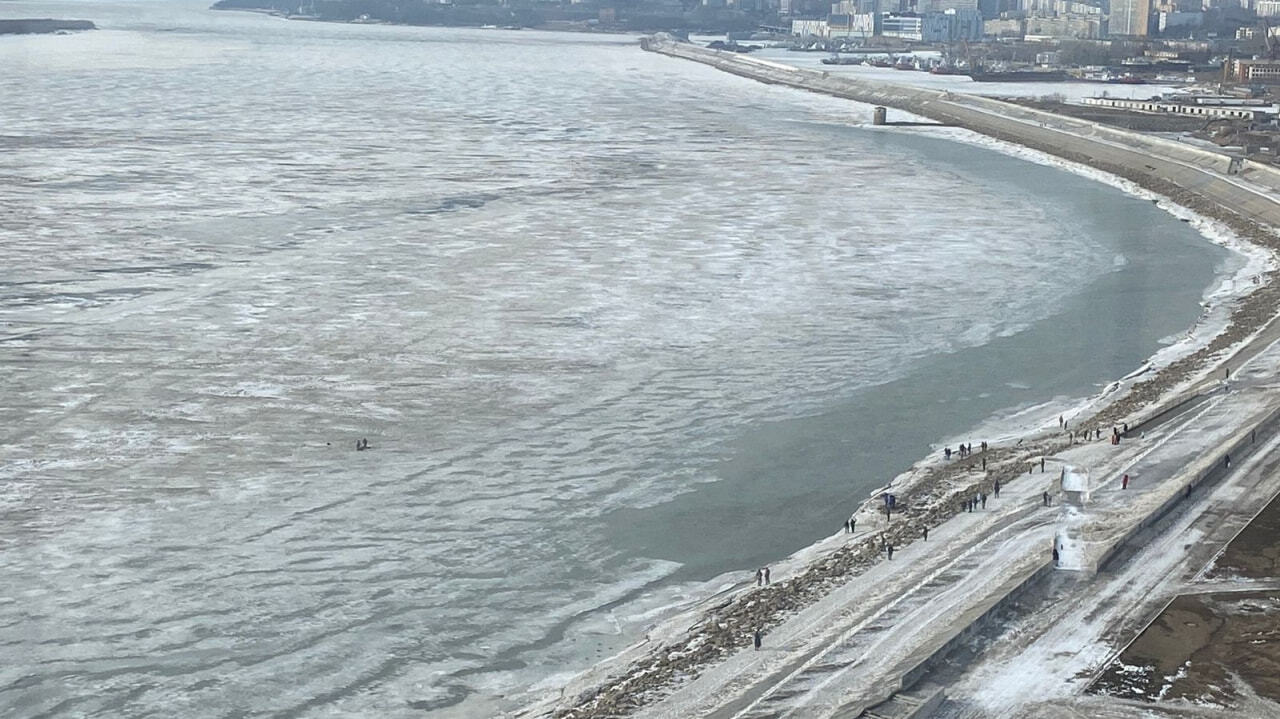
(890, 504)
(972, 503)
(1117, 433)
(964, 450)
(762, 576)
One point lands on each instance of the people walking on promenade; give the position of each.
(926, 534)
(766, 576)
(1045, 497)
(756, 638)
(984, 500)
(1124, 482)
(1042, 465)
(996, 488)
(890, 551)
(760, 577)
(852, 523)
(946, 452)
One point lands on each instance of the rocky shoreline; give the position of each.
(931, 494)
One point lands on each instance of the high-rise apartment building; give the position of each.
(1130, 17)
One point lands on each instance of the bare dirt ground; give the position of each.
(1255, 553)
(1141, 121)
(1203, 649)
(1216, 648)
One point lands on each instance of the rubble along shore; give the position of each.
(928, 494)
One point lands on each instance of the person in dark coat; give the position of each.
(756, 637)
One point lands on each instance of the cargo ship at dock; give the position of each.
(1021, 76)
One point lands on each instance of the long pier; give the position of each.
(1237, 184)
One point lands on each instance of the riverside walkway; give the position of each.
(853, 649)
(884, 629)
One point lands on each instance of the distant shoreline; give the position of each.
(549, 19)
(43, 26)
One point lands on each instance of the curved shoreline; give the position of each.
(931, 492)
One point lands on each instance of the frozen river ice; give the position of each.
(612, 323)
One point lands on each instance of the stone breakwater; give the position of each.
(929, 494)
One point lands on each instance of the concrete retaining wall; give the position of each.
(1203, 473)
(914, 675)
(1263, 174)
(1164, 412)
